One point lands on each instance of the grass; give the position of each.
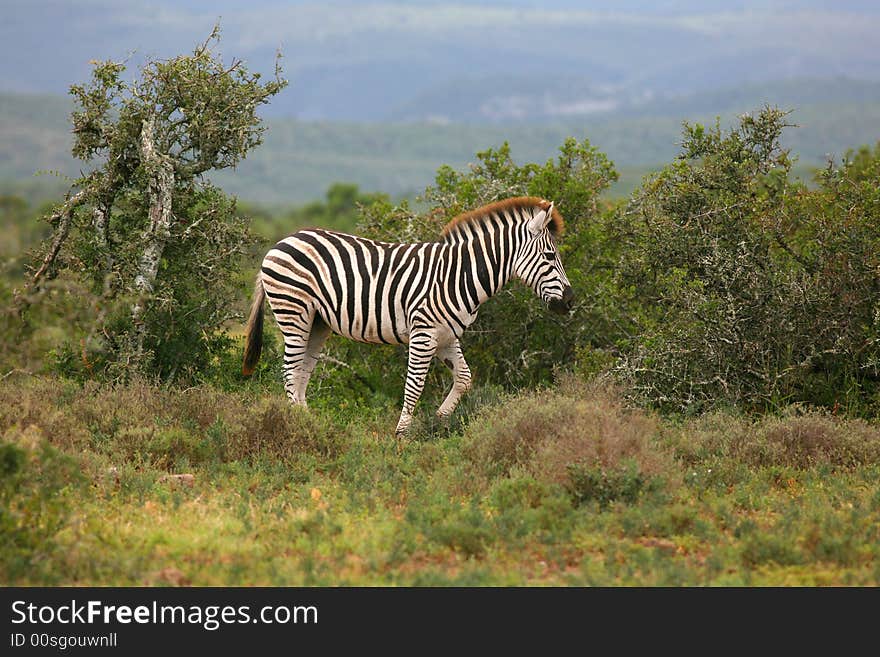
(559, 487)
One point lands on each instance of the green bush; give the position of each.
(33, 503)
(463, 528)
(589, 482)
(524, 506)
(760, 548)
(756, 290)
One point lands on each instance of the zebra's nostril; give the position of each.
(568, 295)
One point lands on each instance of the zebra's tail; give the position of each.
(254, 335)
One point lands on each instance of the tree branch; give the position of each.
(61, 233)
(160, 176)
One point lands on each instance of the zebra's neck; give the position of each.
(478, 258)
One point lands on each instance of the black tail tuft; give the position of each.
(254, 336)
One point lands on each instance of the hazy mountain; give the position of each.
(300, 159)
(555, 98)
(487, 61)
(382, 93)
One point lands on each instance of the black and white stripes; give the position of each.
(424, 295)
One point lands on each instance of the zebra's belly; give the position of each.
(369, 331)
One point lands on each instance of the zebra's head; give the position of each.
(539, 265)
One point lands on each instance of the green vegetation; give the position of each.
(142, 233)
(282, 496)
(763, 292)
(706, 415)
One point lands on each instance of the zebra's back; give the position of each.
(362, 289)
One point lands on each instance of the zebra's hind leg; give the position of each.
(298, 361)
(422, 347)
(317, 338)
(461, 377)
(301, 351)
(294, 349)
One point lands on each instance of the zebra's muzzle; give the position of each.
(564, 304)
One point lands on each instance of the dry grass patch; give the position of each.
(811, 439)
(163, 426)
(581, 436)
(273, 428)
(801, 439)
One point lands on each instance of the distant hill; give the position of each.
(34, 134)
(539, 99)
(300, 159)
(382, 60)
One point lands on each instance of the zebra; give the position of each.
(425, 295)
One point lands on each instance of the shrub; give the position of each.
(272, 428)
(33, 505)
(808, 440)
(604, 485)
(759, 548)
(166, 428)
(522, 505)
(578, 436)
(793, 440)
(756, 291)
(463, 528)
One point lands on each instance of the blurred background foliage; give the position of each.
(723, 280)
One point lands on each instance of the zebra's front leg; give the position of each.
(422, 347)
(461, 378)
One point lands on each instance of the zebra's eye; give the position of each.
(549, 255)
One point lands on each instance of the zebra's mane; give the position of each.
(556, 226)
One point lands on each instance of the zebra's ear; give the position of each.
(539, 221)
